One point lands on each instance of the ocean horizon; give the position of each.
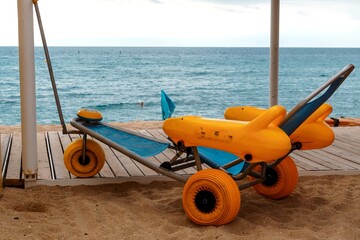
(202, 81)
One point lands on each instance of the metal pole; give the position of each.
(51, 72)
(274, 52)
(27, 89)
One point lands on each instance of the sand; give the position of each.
(326, 207)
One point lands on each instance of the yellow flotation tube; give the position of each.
(313, 133)
(255, 141)
(243, 113)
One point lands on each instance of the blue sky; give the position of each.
(229, 23)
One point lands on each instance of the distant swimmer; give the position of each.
(141, 103)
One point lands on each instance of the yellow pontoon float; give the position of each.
(249, 148)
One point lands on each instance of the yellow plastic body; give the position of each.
(243, 113)
(313, 133)
(258, 140)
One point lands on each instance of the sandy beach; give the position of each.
(322, 207)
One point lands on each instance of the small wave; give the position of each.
(11, 101)
(123, 105)
(199, 80)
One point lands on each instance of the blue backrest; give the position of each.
(305, 108)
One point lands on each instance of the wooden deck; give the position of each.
(342, 157)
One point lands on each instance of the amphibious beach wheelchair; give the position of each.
(250, 147)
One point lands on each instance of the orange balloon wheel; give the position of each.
(280, 181)
(88, 167)
(211, 197)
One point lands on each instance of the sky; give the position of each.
(189, 23)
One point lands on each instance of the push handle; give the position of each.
(306, 107)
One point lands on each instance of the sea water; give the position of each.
(201, 81)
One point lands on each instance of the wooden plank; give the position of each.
(14, 167)
(344, 156)
(65, 140)
(57, 155)
(106, 171)
(318, 162)
(309, 160)
(348, 141)
(157, 134)
(345, 147)
(340, 157)
(147, 171)
(74, 137)
(346, 130)
(113, 162)
(348, 135)
(299, 168)
(44, 171)
(129, 164)
(302, 162)
(330, 160)
(163, 133)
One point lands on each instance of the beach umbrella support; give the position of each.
(51, 72)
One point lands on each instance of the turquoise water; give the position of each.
(201, 81)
